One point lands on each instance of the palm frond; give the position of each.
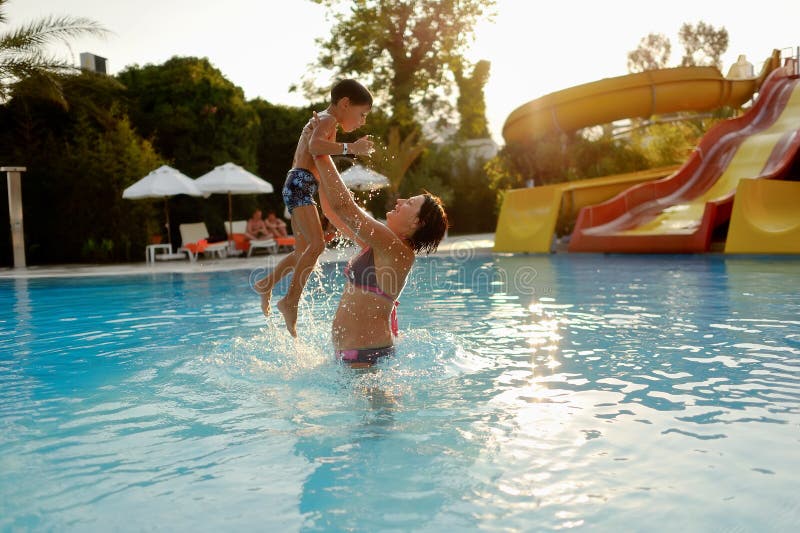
(30, 63)
(43, 85)
(49, 30)
(33, 65)
(22, 51)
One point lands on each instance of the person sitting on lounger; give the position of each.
(256, 228)
(275, 225)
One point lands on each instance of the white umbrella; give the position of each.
(163, 182)
(232, 179)
(360, 178)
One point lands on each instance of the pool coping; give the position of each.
(456, 246)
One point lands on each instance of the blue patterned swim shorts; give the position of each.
(299, 189)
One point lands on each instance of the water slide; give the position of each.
(643, 95)
(679, 213)
(765, 218)
(530, 218)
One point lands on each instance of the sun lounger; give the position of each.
(239, 237)
(195, 241)
(268, 244)
(285, 243)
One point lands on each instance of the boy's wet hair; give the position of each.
(432, 225)
(357, 93)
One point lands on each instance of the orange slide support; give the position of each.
(678, 214)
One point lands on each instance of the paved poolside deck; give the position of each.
(457, 245)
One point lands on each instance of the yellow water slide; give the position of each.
(529, 218)
(642, 95)
(765, 219)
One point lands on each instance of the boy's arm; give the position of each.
(323, 137)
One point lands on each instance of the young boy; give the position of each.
(350, 104)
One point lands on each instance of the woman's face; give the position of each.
(404, 218)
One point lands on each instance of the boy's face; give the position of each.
(353, 116)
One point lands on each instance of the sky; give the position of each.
(265, 46)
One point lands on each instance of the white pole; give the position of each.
(14, 175)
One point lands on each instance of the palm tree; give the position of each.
(24, 54)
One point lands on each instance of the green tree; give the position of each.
(463, 183)
(557, 158)
(395, 157)
(703, 44)
(401, 48)
(652, 53)
(24, 51)
(196, 118)
(602, 157)
(670, 143)
(503, 174)
(542, 160)
(78, 157)
(471, 101)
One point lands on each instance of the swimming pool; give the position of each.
(528, 393)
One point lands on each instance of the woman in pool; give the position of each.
(366, 317)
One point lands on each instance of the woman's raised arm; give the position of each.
(341, 202)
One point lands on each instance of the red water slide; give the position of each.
(678, 214)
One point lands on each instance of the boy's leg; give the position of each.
(264, 285)
(305, 222)
(283, 267)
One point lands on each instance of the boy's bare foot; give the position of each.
(289, 313)
(262, 288)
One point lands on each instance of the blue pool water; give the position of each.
(528, 394)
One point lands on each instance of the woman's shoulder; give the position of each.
(396, 254)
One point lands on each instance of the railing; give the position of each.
(792, 59)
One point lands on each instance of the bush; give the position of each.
(79, 159)
(451, 172)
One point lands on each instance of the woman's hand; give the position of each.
(310, 126)
(313, 122)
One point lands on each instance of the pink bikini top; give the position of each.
(360, 271)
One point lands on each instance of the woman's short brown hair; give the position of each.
(432, 225)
